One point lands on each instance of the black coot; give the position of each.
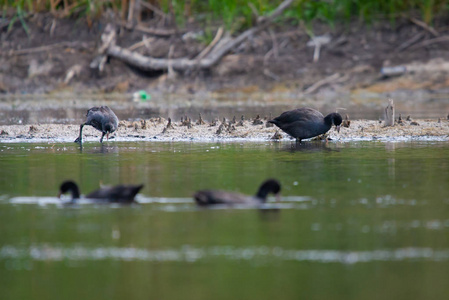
(209, 197)
(114, 194)
(101, 118)
(304, 123)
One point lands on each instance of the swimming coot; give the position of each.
(101, 118)
(209, 197)
(305, 122)
(114, 194)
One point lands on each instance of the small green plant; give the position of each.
(20, 14)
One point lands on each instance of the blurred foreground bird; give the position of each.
(115, 194)
(209, 197)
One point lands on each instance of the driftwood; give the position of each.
(207, 59)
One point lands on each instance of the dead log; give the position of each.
(211, 57)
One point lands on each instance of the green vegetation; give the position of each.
(236, 14)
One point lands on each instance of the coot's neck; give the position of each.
(263, 192)
(74, 191)
(262, 195)
(328, 120)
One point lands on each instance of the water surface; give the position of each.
(365, 220)
(71, 109)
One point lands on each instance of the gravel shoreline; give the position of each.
(156, 129)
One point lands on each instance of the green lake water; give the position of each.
(362, 220)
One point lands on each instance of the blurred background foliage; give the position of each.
(233, 14)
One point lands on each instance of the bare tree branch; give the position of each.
(211, 58)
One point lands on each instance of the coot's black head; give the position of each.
(69, 186)
(334, 119)
(109, 128)
(269, 186)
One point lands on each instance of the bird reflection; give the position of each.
(103, 148)
(270, 214)
(312, 146)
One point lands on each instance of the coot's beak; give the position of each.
(338, 128)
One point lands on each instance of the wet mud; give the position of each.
(159, 129)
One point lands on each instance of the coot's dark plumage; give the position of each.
(208, 197)
(114, 194)
(101, 118)
(304, 123)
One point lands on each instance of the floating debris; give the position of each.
(186, 122)
(276, 136)
(200, 120)
(214, 122)
(241, 122)
(169, 126)
(231, 128)
(257, 120)
(220, 129)
(321, 137)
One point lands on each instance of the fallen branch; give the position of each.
(154, 9)
(211, 45)
(424, 26)
(410, 42)
(321, 83)
(152, 31)
(48, 47)
(144, 42)
(440, 39)
(210, 59)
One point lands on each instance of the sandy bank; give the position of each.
(248, 130)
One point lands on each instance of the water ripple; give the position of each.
(189, 253)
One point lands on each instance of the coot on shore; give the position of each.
(305, 122)
(101, 118)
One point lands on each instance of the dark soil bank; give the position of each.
(57, 53)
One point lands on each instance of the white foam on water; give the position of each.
(144, 200)
(170, 204)
(187, 253)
